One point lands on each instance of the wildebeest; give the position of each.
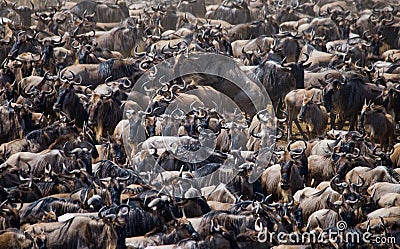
(232, 12)
(15, 239)
(96, 74)
(280, 79)
(284, 179)
(344, 98)
(196, 7)
(100, 107)
(313, 199)
(293, 102)
(378, 124)
(10, 125)
(69, 102)
(122, 39)
(372, 176)
(314, 115)
(70, 158)
(85, 230)
(104, 12)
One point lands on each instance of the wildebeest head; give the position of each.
(96, 103)
(307, 101)
(297, 70)
(40, 95)
(115, 149)
(83, 52)
(10, 214)
(383, 158)
(288, 162)
(114, 215)
(366, 109)
(182, 229)
(159, 103)
(390, 96)
(82, 152)
(7, 77)
(150, 125)
(332, 87)
(344, 161)
(62, 58)
(349, 190)
(165, 206)
(286, 170)
(170, 122)
(64, 96)
(66, 93)
(136, 124)
(288, 215)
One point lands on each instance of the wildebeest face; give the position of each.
(327, 97)
(62, 98)
(94, 106)
(188, 228)
(83, 154)
(157, 107)
(304, 106)
(150, 124)
(286, 169)
(347, 213)
(341, 164)
(47, 53)
(83, 54)
(60, 60)
(117, 150)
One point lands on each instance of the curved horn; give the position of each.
(123, 206)
(108, 94)
(289, 144)
(254, 135)
(127, 85)
(357, 155)
(359, 185)
(283, 120)
(51, 92)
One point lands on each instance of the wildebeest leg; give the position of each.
(352, 122)
(98, 130)
(300, 129)
(341, 121)
(289, 124)
(81, 245)
(332, 116)
(278, 107)
(382, 142)
(309, 133)
(372, 137)
(391, 142)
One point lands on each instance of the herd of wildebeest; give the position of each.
(74, 173)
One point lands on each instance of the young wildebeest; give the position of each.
(315, 117)
(378, 124)
(293, 103)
